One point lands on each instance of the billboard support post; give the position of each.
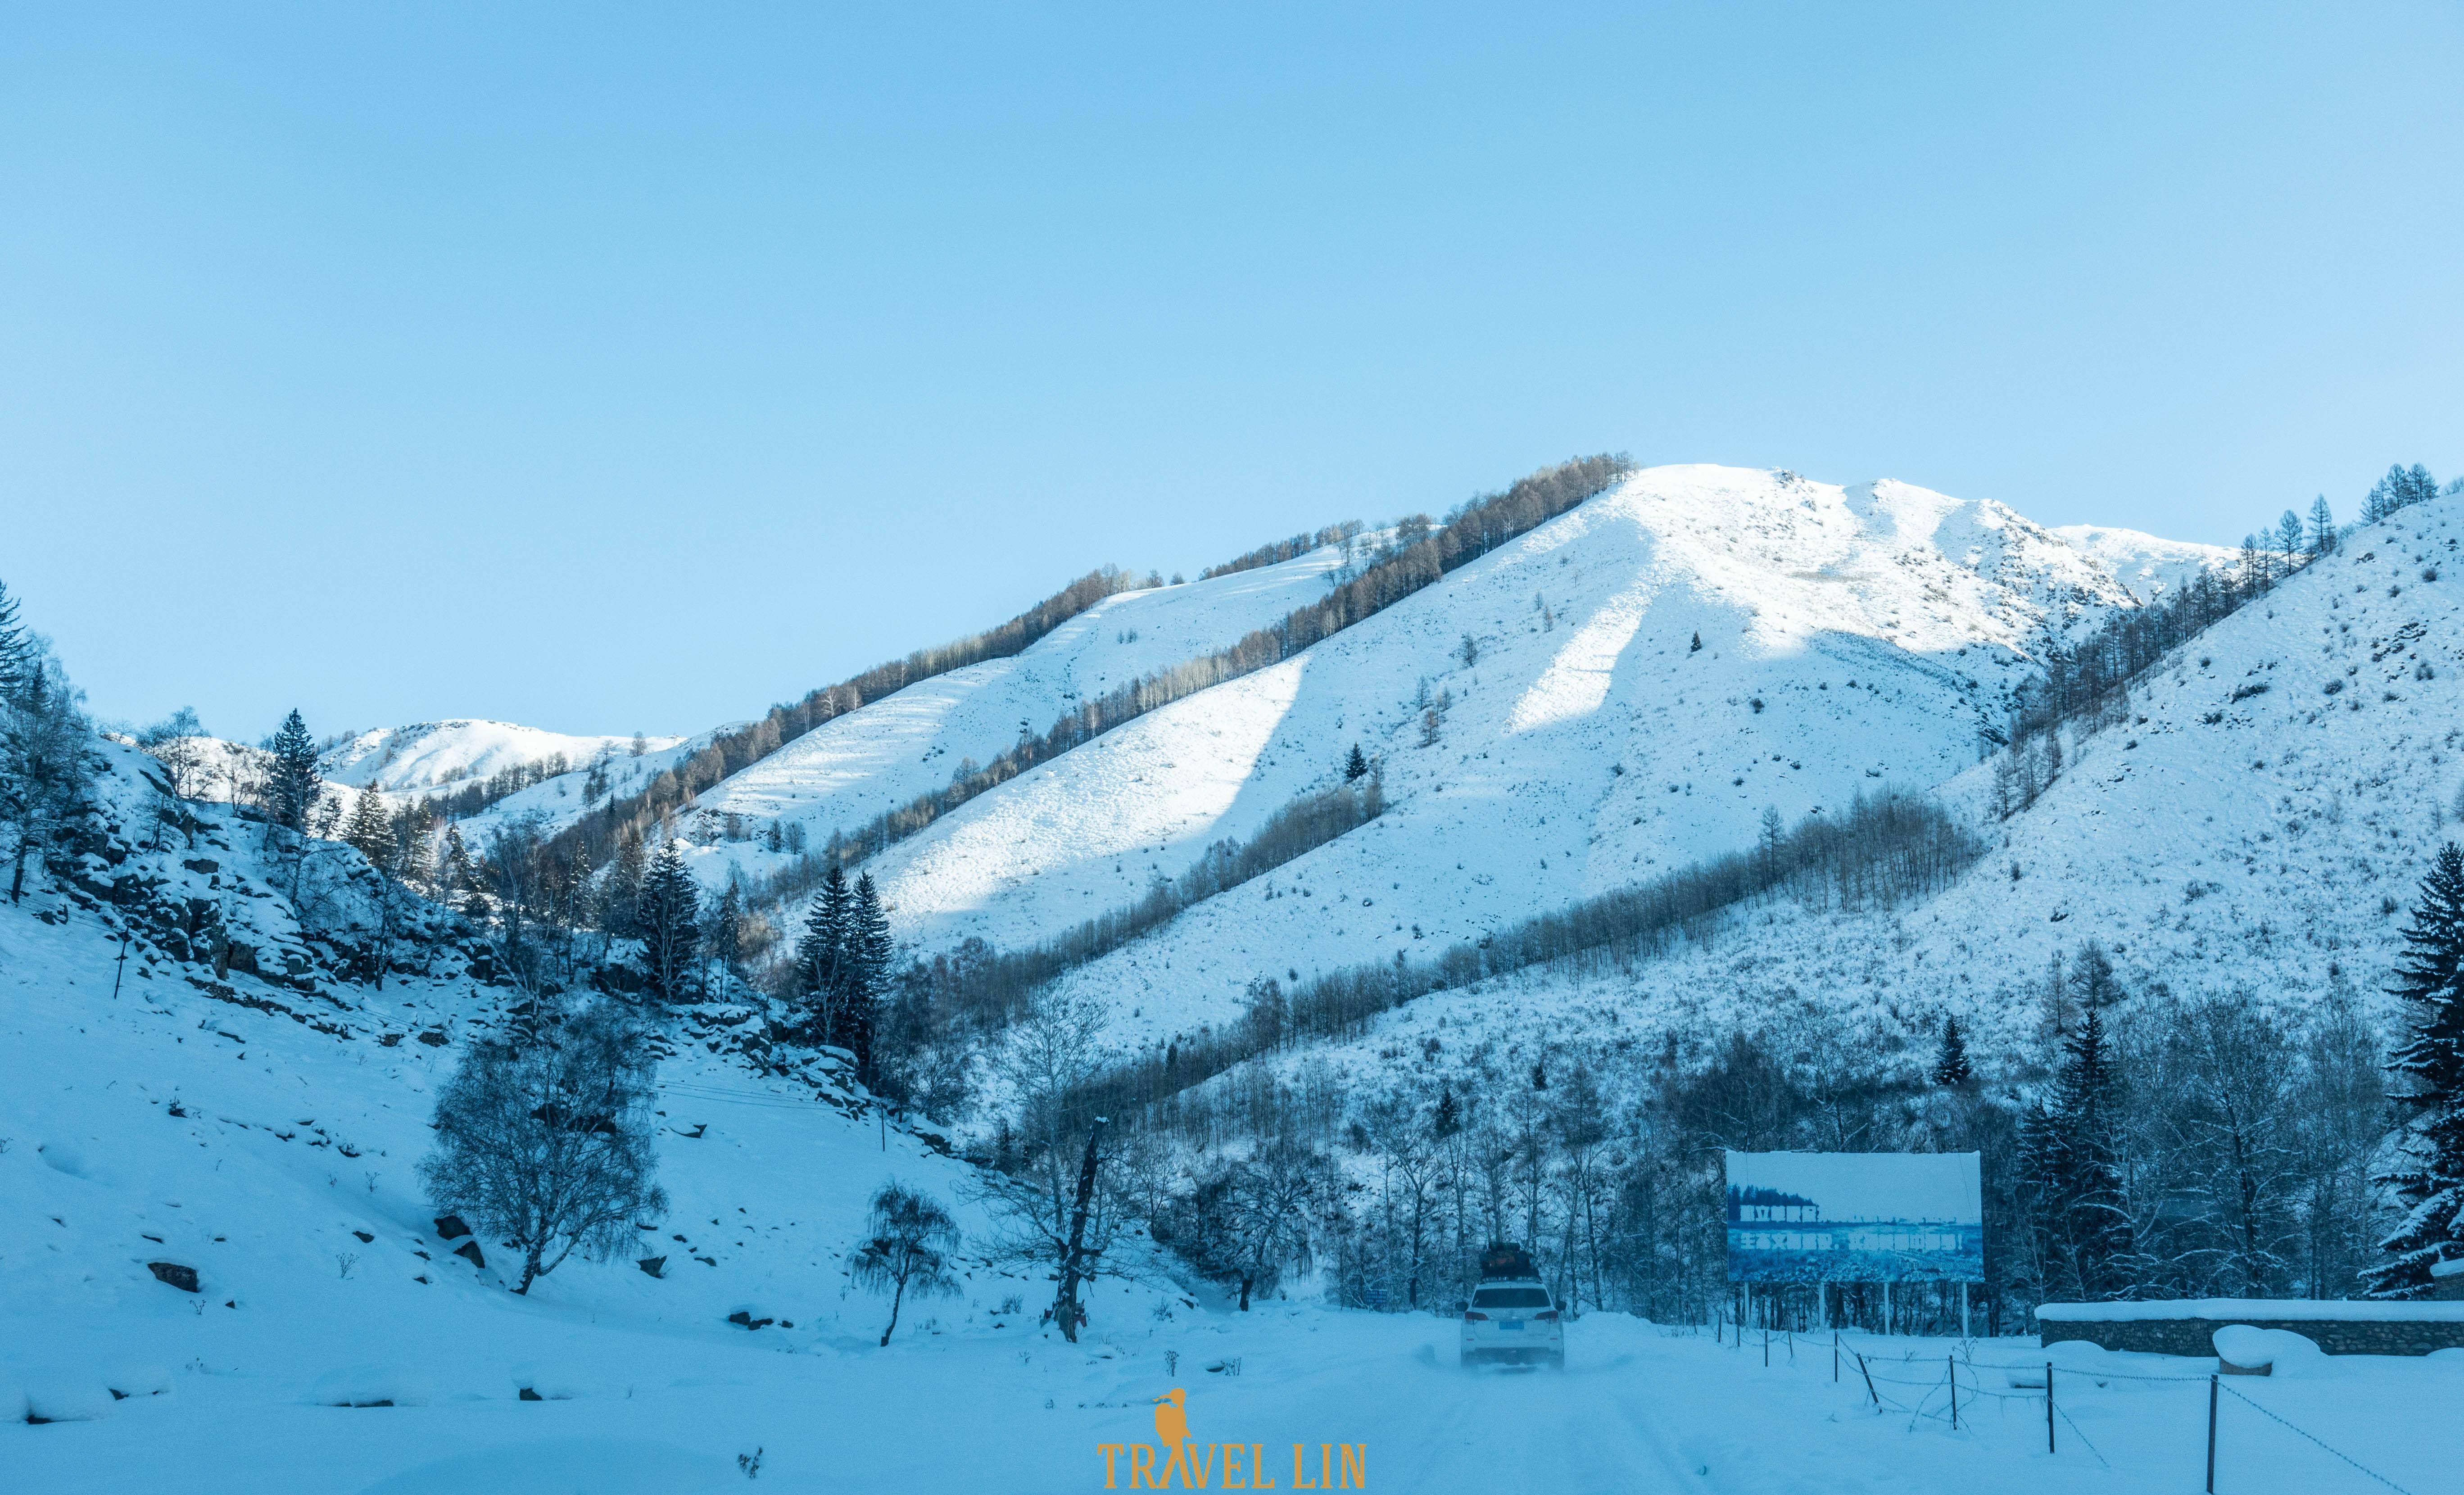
(1963, 1311)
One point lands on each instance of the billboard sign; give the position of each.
(1854, 1217)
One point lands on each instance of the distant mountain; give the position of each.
(432, 756)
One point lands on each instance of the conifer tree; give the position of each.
(16, 650)
(412, 825)
(670, 919)
(370, 831)
(723, 940)
(1355, 767)
(1950, 1066)
(45, 771)
(867, 961)
(2427, 1175)
(821, 957)
(292, 784)
(2323, 528)
(2078, 1162)
(620, 901)
(462, 874)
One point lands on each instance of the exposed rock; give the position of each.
(745, 1319)
(450, 1227)
(469, 1251)
(173, 1273)
(656, 1265)
(435, 1038)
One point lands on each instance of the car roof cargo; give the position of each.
(1506, 1261)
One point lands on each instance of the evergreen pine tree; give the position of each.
(619, 900)
(669, 917)
(723, 940)
(2427, 1175)
(412, 825)
(1357, 766)
(292, 784)
(1951, 1067)
(867, 961)
(370, 831)
(461, 873)
(1448, 1119)
(821, 957)
(2087, 1229)
(16, 650)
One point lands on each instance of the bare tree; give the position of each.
(1060, 1208)
(546, 1141)
(174, 743)
(907, 1249)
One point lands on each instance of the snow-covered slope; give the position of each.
(2254, 830)
(237, 1104)
(2149, 565)
(841, 774)
(436, 754)
(1849, 638)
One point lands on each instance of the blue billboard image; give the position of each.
(1854, 1217)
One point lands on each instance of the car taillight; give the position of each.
(1471, 1316)
(1550, 1316)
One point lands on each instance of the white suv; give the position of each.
(1513, 1323)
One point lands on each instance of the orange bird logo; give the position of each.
(1172, 1417)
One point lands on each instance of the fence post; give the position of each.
(2049, 1406)
(1766, 1348)
(1950, 1365)
(2211, 1434)
(1869, 1377)
(1835, 1357)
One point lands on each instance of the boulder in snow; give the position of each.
(173, 1274)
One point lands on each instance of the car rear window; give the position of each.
(1510, 1298)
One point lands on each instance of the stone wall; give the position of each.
(2196, 1336)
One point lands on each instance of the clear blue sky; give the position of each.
(608, 367)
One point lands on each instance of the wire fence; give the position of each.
(1941, 1396)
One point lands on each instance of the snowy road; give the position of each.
(1635, 1410)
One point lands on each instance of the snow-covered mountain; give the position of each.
(1622, 690)
(1628, 687)
(432, 756)
(2252, 830)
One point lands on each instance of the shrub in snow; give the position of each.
(544, 1139)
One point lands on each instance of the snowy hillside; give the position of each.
(243, 1104)
(843, 773)
(2148, 567)
(2254, 831)
(434, 755)
(1849, 638)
